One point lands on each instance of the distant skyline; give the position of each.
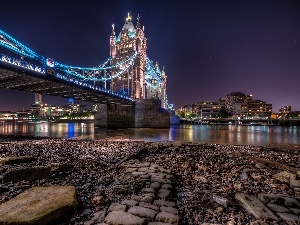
(208, 48)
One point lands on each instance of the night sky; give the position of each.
(208, 48)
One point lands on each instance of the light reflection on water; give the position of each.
(223, 134)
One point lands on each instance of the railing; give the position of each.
(21, 63)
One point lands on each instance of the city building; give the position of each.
(237, 104)
(208, 109)
(286, 109)
(244, 106)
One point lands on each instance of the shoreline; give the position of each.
(202, 173)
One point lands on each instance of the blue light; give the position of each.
(75, 74)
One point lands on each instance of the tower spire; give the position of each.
(128, 19)
(138, 21)
(113, 30)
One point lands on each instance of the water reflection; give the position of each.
(223, 134)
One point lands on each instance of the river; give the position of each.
(221, 134)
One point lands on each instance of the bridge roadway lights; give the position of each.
(144, 113)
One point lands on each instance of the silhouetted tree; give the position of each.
(223, 113)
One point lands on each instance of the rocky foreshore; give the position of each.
(155, 183)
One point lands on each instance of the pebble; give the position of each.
(192, 172)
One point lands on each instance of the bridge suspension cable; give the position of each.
(152, 72)
(12, 44)
(85, 73)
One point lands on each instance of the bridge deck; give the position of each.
(18, 78)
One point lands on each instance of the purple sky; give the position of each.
(208, 48)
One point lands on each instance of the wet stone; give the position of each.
(154, 165)
(39, 205)
(164, 203)
(152, 170)
(284, 176)
(201, 179)
(148, 205)
(98, 200)
(280, 198)
(146, 176)
(143, 212)
(211, 224)
(169, 176)
(158, 175)
(289, 217)
(129, 202)
(61, 167)
(167, 186)
(136, 197)
(296, 211)
(30, 173)
(17, 160)
(168, 171)
(294, 183)
(130, 170)
(145, 164)
(164, 194)
(123, 218)
(169, 210)
(163, 181)
(291, 202)
(98, 217)
(147, 198)
(117, 207)
(167, 218)
(277, 208)
(259, 222)
(137, 174)
(155, 185)
(255, 206)
(143, 169)
(147, 190)
(158, 223)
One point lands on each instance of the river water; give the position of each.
(221, 134)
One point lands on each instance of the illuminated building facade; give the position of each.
(286, 109)
(237, 104)
(241, 105)
(138, 82)
(208, 109)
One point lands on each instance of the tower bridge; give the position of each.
(128, 89)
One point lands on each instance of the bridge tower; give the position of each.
(131, 39)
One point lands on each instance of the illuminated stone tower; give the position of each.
(142, 79)
(130, 40)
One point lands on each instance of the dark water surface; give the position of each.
(222, 134)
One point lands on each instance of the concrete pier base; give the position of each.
(100, 117)
(145, 113)
(149, 114)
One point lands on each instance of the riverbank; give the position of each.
(206, 177)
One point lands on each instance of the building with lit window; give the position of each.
(237, 104)
(241, 105)
(286, 109)
(208, 109)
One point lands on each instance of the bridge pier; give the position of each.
(148, 113)
(144, 113)
(100, 117)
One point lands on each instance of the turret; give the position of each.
(113, 49)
